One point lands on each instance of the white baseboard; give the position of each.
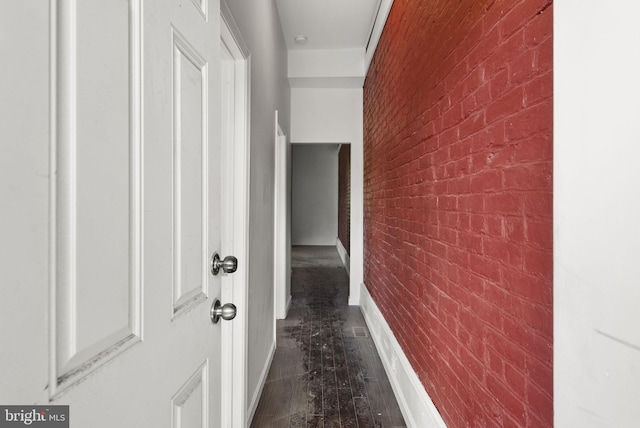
(283, 315)
(416, 405)
(344, 256)
(263, 379)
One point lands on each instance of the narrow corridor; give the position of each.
(326, 371)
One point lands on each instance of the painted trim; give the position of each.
(228, 18)
(416, 405)
(344, 256)
(253, 406)
(288, 303)
(231, 36)
(281, 271)
(376, 32)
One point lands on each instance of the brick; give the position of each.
(541, 403)
(539, 89)
(540, 28)
(520, 15)
(452, 116)
(514, 330)
(515, 380)
(540, 234)
(523, 68)
(486, 180)
(473, 365)
(461, 185)
(535, 176)
(545, 55)
(495, 248)
(508, 105)
(471, 203)
(476, 221)
(458, 158)
(474, 80)
(516, 258)
(514, 230)
(540, 373)
(526, 286)
(529, 122)
(505, 349)
(536, 148)
(494, 225)
(539, 203)
(471, 242)
(499, 84)
(484, 48)
(472, 124)
(510, 403)
(486, 268)
(538, 318)
(503, 203)
(538, 262)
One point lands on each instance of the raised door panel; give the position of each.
(189, 404)
(97, 187)
(190, 189)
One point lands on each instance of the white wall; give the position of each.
(596, 214)
(314, 194)
(332, 68)
(322, 115)
(260, 27)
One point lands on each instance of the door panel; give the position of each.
(97, 216)
(190, 172)
(190, 402)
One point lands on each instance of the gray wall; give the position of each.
(314, 194)
(260, 27)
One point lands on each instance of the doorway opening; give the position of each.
(312, 205)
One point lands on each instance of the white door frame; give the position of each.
(234, 289)
(282, 236)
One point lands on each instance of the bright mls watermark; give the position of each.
(34, 416)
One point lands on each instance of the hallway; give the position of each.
(325, 373)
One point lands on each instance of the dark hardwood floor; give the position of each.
(325, 372)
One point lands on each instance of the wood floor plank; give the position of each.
(346, 408)
(323, 376)
(395, 414)
(363, 412)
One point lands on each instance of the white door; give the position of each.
(123, 201)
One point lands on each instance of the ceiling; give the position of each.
(327, 24)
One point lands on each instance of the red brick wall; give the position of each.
(344, 196)
(458, 202)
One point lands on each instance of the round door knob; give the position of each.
(228, 265)
(226, 312)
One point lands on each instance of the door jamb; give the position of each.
(230, 35)
(282, 236)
